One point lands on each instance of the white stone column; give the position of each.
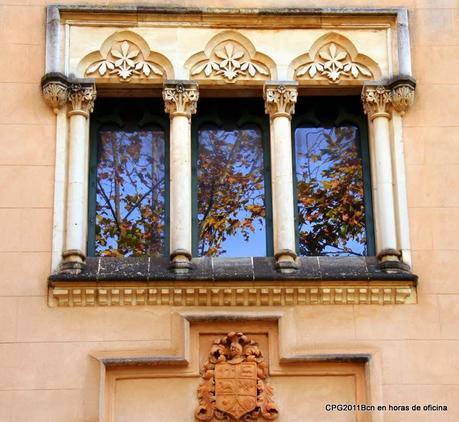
(378, 102)
(81, 102)
(180, 99)
(280, 99)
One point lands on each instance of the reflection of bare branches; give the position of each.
(108, 202)
(229, 185)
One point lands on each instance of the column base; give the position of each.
(389, 261)
(180, 261)
(286, 261)
(73, 261)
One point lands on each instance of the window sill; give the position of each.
(231, 282)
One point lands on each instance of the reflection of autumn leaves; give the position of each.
(130, 194)
(331, 198)
(230, 186)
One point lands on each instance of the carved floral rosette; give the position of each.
(234, 382)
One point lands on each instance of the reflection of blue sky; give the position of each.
(249, 161)
(142, 176)
(310, 143)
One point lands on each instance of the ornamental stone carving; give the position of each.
(180, 98)
(234, 382)
(379, 100)
(403, 95)
(124, 60)
(334, 59)
(55, 90)
(81, 98)
(376, 101)
(230, 57)
(280, 99)
(125, 57)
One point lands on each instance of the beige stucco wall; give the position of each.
(46, 373)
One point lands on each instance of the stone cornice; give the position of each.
(64, 294)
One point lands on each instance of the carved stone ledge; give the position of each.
(239, 294)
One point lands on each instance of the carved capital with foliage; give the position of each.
(54, 88)
(280, 99)
(180, 98)
(377, 101)
(403, 94)
(81, 97)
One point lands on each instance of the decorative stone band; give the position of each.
(180, 98)
(192, 294)
(57, 90)
(378, 100)
(280, 98)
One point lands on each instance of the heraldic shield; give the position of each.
(234, 386)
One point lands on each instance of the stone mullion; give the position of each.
(180, 98)
(379, 103)
(81, 103)
(80, 96)
(280, 99)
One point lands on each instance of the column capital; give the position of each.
(81, 97)
(377, 101)
(54, 88)
(280, 98)
(180, 98)
(403, 94)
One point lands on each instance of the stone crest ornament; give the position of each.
(234, 386)
(230, 57)
(230, 61)
(124, 60)
(334, 63)
(334, 59)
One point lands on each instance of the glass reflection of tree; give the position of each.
(130, 198)
(231, 204)
(331, 213)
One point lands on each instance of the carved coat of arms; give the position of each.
(234, 386)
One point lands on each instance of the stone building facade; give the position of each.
(85, 336)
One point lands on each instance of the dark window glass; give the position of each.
(129, 190)
(231, 192)
(332, 196)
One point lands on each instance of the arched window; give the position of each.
(128, 198)
(332, 177)
(232, 194)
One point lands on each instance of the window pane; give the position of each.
(231, 193)
(329, 175)
(130, 195)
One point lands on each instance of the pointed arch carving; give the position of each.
(334, 59)
(126, 57)
(230, 57)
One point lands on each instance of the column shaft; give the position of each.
(180, 99)
(282, 181)
(81, 102)
(384, 185)
(280, 99)
(76, 212)
(180, 184)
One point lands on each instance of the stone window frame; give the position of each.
(382, 279)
